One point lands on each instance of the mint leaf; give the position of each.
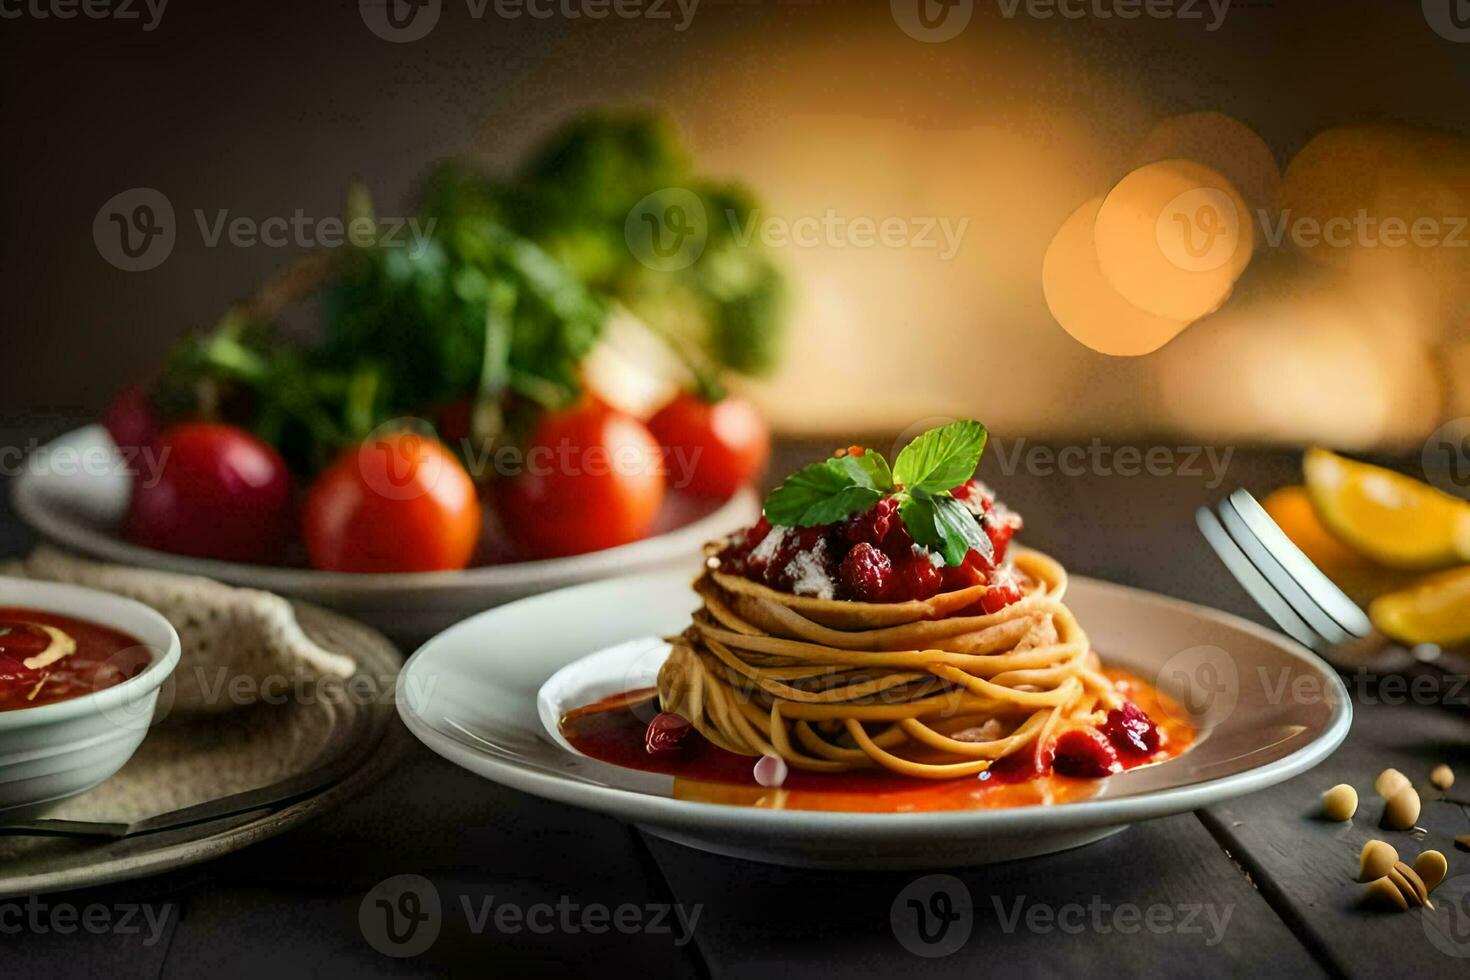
(942, 458)
(822, 493)
(868, 470)
(944, 526)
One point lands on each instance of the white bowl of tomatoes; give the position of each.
(395, 531)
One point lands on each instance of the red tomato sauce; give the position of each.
(104, 657)
(612, 730)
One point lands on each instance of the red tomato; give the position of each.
(221, 493)
(592, 478)
(713, 448)
(130, 419)
(399, 502)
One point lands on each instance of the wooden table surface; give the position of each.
(1251, 887)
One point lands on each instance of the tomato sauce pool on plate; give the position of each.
(612, 730)
(47, 657)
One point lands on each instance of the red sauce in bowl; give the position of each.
(103, 658)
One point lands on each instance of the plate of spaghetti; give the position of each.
(875, 675)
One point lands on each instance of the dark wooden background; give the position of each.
(1278, 881)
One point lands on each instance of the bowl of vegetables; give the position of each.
(515, 400)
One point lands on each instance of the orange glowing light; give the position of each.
(1172, 238)
(1085, 304)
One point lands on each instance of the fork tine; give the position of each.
(1255, 583)
(1280, 580)
(1321, 589)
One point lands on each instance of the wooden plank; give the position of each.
(306, 903)
(1307, 867)
(1161, 896)
(119, 931)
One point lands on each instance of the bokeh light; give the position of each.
(1086, 305)
(1172, 237)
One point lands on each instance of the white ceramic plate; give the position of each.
(75, 493)
(486, 694)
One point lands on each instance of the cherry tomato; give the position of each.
(592, 478)
(130, 419)
(1005, 588)
(399, 502)
(713, 448)
(221, 493)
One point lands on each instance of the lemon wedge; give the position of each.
(1436, 609)
(1360, 577)
(1390, 518)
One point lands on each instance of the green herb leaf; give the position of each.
(868, 470)
(943, 525)
(942, 458)
(825, 492)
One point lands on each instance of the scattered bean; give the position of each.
(1463, 842)
(1376, 860)
(1340, 803)
(1432, 866)
(1442, 776)
(1409, 882)
(1402, 809)
(1384, 894)
(1389, 782)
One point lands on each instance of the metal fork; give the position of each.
(1300, 599)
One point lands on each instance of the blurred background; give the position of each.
(913, 164)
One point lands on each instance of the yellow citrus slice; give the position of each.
(1394, 520)
(1436, 609)
(1361, 578)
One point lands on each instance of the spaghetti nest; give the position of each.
(918, 687)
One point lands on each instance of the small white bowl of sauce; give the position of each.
(80, 677)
